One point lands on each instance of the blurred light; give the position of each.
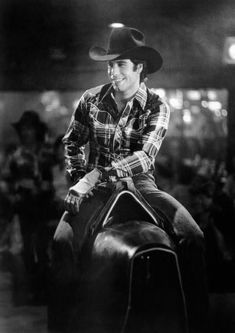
(50, 100)
(214, 105)
(116, 25)
(176, 99)
(187, 118)
(175, 103)
(205, 104)
(212, 95)
(224, 112)
(229, 50)
(217, 113)
(194, 95)
(160, 92)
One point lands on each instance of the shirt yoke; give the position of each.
(96, 93)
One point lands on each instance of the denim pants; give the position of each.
(172, 217)
(190, 247)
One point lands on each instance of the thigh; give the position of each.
(175, 218)
(75, 229)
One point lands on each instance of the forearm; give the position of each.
(138, 162)
(143, 159)
(74, 161)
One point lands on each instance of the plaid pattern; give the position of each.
(29, 175)
(128, 141)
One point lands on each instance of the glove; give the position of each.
(81, 190)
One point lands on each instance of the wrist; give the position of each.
(76, 176)
(106, 173)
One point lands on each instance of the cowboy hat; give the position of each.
(128, 43)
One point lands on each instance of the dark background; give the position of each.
(44, 47)
(45, 43)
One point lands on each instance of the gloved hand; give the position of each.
(80, 190)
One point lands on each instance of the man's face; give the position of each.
(125, 76)
(28, 134)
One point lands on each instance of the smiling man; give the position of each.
(125, 77)
(125, 123)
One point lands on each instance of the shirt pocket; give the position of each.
(101, 126)
(135, 127)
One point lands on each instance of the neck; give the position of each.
(125, 96)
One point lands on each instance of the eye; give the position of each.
(121, 64)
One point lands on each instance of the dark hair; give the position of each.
(143, 74)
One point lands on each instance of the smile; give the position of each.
(117, 81)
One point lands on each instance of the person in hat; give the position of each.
(28, 173)
(30, 122)
(125, 123)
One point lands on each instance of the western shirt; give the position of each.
(128, 140)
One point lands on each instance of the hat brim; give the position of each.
(40, 126)
(145, 53)
(17, 126)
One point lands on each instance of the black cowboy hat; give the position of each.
(31, 118)
(128, 43)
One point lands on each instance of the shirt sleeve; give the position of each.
(143, 160)
(74, 141)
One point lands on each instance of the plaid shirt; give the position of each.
(128, 141)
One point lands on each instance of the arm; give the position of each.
(74, 141)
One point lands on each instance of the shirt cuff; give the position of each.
(76, 176)
(106, 175)
(119, 170)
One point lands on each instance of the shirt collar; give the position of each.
(140, 96)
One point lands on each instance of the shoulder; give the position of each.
(92, 96)
(155, 101)
(95, 94)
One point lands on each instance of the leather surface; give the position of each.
(127, 254)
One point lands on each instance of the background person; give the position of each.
(28, 173)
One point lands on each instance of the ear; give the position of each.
(139, 68)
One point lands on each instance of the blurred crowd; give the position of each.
(32, 190)
(33, 186)
(207, 190)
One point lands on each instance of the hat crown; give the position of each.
(123, 39)
(128, 43)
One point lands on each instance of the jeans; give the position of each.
(172, 217)
(190, 247)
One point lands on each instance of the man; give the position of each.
(125, 124)
(29, 175)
